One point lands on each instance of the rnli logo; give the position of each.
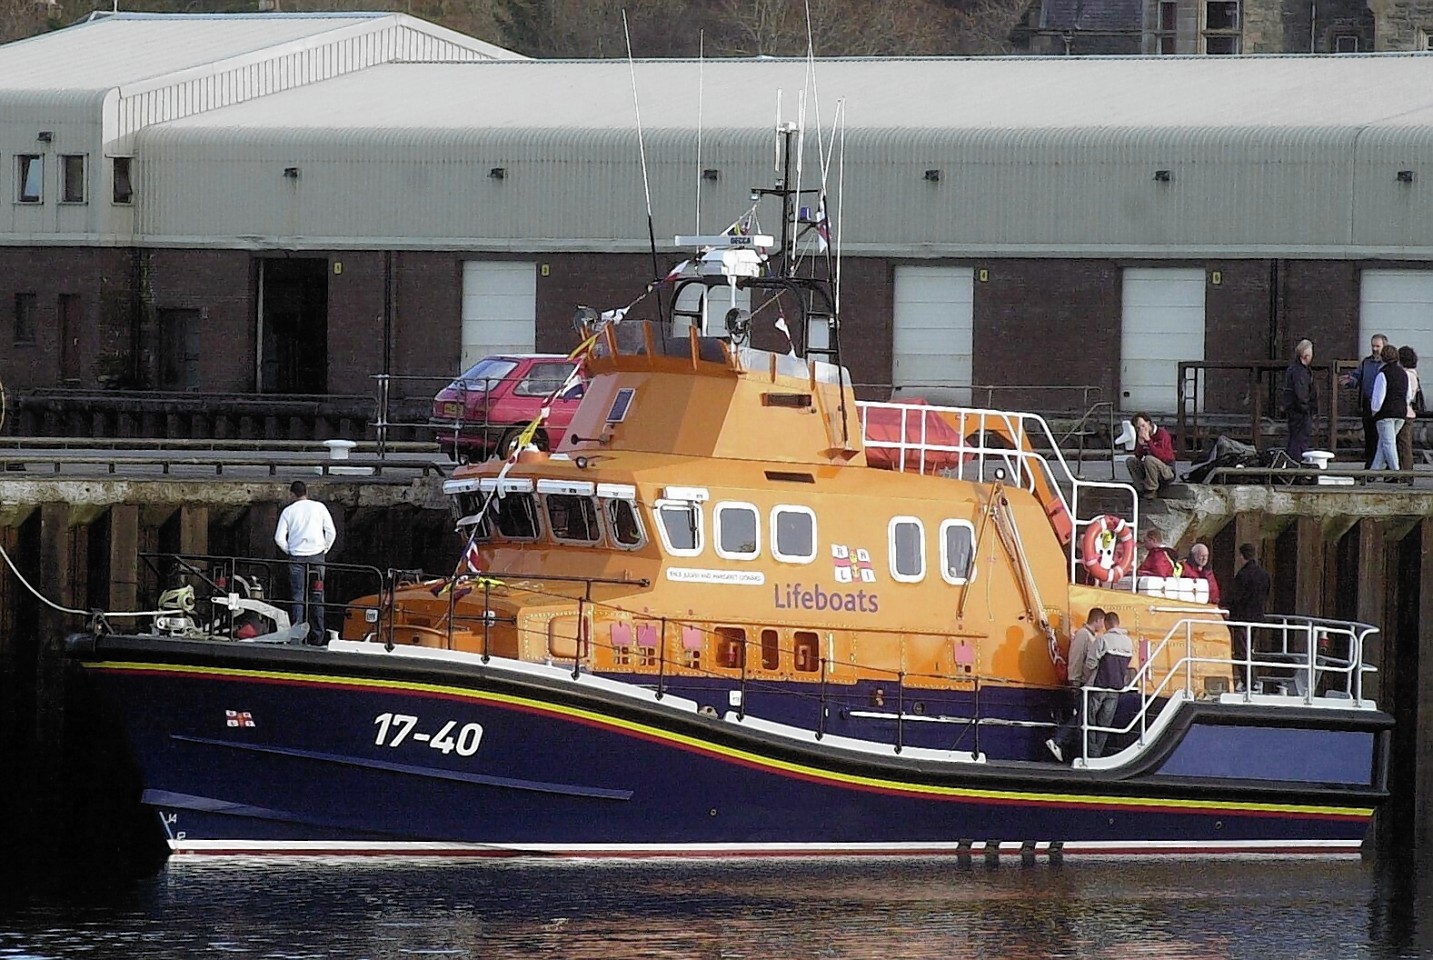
(852, 565)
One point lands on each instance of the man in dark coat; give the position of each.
(1248, 599)
(1301, 401)
(1361, 378)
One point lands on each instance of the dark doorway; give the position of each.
(179, 349)
(294, 325)
(69, 336)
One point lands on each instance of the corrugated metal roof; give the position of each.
(928, 94)
(111, 50)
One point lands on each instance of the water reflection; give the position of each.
(1110, 910)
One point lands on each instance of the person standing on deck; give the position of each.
(1106, 663)
(305, 534)
(1080, 643)
(1247, 601)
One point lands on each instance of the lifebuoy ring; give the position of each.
(1107, 549)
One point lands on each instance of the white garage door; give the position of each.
(1398, 304)
(499, 308)
(1161, 323)
(932, 337)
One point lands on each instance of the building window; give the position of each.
(1348, 43)
(24, 318)
(1221, 27)
(123, 190)
(737, 532)
(30, 178)
(72, 173)
(1166, 30)
(793, 534)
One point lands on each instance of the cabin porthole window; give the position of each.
(679, 522)
(793, 534)
(957, 551)
(907, 549)
(736, 531)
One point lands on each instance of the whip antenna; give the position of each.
(701, 88)
(642, 153)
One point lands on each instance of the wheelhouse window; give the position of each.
(793, 534)
(957, 551)
(625, 524)
(737, 528)
(515, 515)
(573, 518)
(29, 178)
(907, 549)
(680, 524)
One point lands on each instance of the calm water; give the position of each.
(1110, 910)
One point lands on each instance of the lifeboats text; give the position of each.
(796, 596)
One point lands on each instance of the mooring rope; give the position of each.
(96, 616)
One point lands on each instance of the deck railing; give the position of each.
(985, 446)
(1287, 660)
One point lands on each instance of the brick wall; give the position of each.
(1047, 322)
(101, 280)
(218, 283)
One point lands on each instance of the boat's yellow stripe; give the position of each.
(744, 756)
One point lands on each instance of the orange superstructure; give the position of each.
(712, 512)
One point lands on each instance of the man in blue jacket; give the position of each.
(1362, 378)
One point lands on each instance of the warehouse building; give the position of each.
(1013, 222)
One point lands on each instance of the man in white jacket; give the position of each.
(305, 533)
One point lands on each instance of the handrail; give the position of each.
(1003, 456)
(1306, 667)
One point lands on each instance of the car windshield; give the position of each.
(482, 375)
(543, 379)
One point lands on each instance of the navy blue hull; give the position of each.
(244, 748)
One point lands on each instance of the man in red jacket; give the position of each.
(1152, 465)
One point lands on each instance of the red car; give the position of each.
(481, 413)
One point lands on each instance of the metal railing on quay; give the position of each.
(169, 466)
(1259, 384)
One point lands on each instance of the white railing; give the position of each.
(1288, 661)
(986, 446)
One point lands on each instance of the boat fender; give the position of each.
(1107, 549)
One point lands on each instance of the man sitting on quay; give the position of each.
(1152, 465)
